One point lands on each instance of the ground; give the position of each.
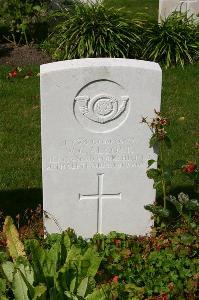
(20, 56)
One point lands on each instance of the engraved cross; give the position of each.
(100, 197)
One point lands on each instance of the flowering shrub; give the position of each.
(187, 208)
(160, 140)
(161, 266)
(189, 168)
(25, 19)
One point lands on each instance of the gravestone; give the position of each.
(166, 7)
(94, 147)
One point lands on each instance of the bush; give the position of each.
(26, 19)
(174, 41)
(91, 30)
(106, 267)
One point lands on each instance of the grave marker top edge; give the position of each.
(99, 62)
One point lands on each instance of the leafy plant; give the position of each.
(191, 170)
(106, 267)
(185, 207)
(91, 30)
(61, 271)
(162, 174)
(173, 41)
(24, 18)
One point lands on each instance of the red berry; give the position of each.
(189, 168)
(117, 242)
(115, 278)
(13, 73)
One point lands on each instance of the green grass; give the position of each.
(180, 104)
(20, 149)
(132, 7)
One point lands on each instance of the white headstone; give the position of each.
(166, 7)
(94, 147)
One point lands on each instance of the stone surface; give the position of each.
(166, 7)
(94, 148)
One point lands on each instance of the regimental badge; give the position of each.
(102, 108)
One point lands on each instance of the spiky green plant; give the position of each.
(174, 41)
(92, 30)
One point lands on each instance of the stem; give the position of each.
(162, 174)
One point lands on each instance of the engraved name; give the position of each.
(85, 153)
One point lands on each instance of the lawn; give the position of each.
(133, 7)
(20, 149)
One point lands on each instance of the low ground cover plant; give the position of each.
(24, 21)
(162, 266)
(117, 266)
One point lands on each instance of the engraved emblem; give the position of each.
(101, 106)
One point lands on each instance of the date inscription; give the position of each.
(87, 153)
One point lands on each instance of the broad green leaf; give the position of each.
(153, 173)
(73, 284)
(40, 292)
(157, 184)
(8, 270)
(14, 245)
(66, 241)
(37, 8)
(157, 210)
(176, 203)
(3, 298)
(81, 290)
(93, 259)
(51, 260)
(193, 204)
(70, 295)
(153, 141)
(102, 293)
(19, 287)
(2, 286)
(38, 260)
(151, 162)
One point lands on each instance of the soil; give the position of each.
(20, 56)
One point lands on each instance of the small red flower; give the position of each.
(163, 122)
(117, 242)
(12, 74)
(158, 247)
(115, 279)
(189, 168)
(164, 297)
